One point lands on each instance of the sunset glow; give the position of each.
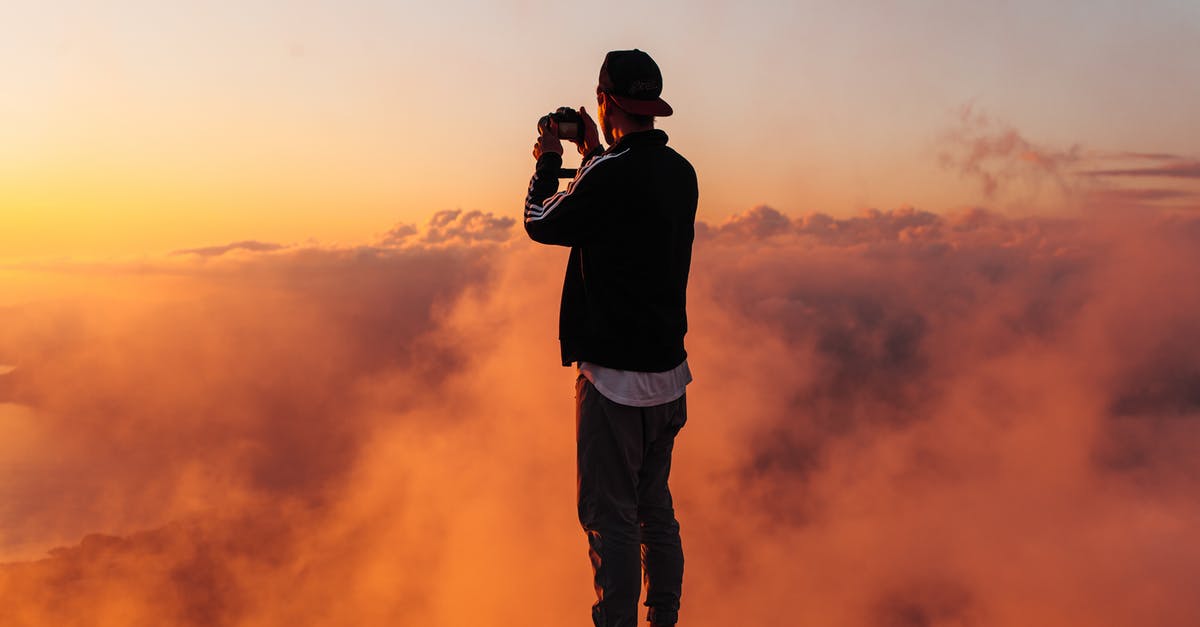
(275, 351)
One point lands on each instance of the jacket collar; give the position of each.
(641, 138)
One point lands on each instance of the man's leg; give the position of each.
(608, 454)
(662, 551)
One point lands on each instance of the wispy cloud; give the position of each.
(1180, 169)
(999, 158)
(996, 154)
(1149, 156)
(1136, 195)
(216, 251)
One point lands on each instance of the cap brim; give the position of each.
(657, 107)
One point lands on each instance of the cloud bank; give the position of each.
(901, 418)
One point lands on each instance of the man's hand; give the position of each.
(547, 140)
(591, 136)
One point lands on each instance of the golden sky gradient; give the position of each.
(134, 127)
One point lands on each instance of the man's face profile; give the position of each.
(602, 116)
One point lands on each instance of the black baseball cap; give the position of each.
(633, 80)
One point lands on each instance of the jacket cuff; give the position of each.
(549, 161)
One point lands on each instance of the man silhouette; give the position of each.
(629, 218)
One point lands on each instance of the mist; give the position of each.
(898, 419)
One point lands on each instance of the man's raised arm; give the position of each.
(568, 217)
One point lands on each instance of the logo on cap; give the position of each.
(634, 82)
(645, 88)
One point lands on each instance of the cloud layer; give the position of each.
(901, 418)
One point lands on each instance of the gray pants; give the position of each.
(623, 460)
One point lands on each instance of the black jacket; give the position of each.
(629, 217)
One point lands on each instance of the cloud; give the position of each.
(898, 418)
(453, 226)
(1175, 168)
(216, 251)
(1134, 196)
(398, 235)
(996, 154)
(1008, 165)
(926, 604)
(1149, 156)
(239, 379)
(764, 223)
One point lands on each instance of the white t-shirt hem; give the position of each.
(617, 398)
(648, 388)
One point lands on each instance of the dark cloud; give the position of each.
(933, 604)
(198, 571)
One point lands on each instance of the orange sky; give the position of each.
(133, 127)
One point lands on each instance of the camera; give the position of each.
(567, 124)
